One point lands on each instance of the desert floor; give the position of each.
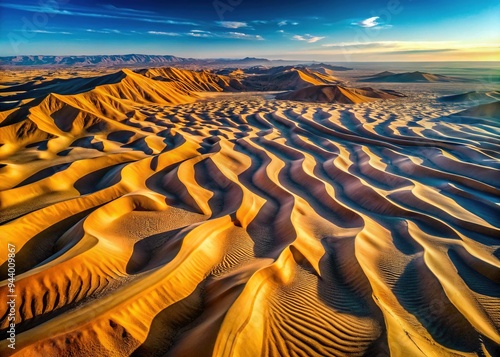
(240, 225)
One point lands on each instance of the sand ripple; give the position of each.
(255, 228)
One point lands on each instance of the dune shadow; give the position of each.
(170, 323)
(475, 280)
(44, 173)
(99, 179)
(420, 293)
(154, 251)
(41, 246)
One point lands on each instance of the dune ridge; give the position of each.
(255, 228)
(287, 78)
(412, 77)
(338, 94)
(194, 81)
(471, 96)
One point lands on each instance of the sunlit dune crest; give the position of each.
(339, 94)
(471, 96)
(149, 222)
(411, 77)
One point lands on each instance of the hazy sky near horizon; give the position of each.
(342, 31)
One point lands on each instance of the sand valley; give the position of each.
(254, 211)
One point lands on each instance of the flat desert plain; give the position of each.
(173, 212)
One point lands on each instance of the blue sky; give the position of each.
(343, 31)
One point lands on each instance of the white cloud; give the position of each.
(97, 31)
(232, 34)
(200, 33)
(232, 24)
(392, 45)
(371, 23)
(126, 10)
(367, 23)
(397, 50)
(161, 33)
(106, 12)
(308, 38)
(287, 22)
(243, 36)
(52, 32)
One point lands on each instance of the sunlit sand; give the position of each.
(154, 219)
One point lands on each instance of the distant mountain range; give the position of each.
(411, 77)
(138, 60)
(89, 60)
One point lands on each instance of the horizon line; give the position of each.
(247, 57)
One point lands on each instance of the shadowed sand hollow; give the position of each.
(253, 228)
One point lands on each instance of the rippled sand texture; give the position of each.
(258, 228)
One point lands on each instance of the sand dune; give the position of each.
(384, 74)
(185, 81)
(491, 110)
(194, 80)
(338, 94)
(280, 78)
(471, 96)
(248, 228)
(108, 101)
(323, 66)
(411, 77)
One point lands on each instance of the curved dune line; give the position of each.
(404, 334)
(111, 307)
(200, 195)
(452, 285)
(250, 203)
(422, 197)
(255, 228)
(249, 305)
(276, 318)
(61, 181)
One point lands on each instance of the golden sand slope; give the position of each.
(250, 229)
(471, 97)
(412, 77)
(102, 103)
(338, 94)
(196, 81)
(288, 79)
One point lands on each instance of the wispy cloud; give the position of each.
(167, 21)
(96, 31)
(127, 10)
(392, 45)
(200, 33)
(244, 36)
(232, 24)
(233, 35)
(161, 33)
(52, 32)
(371, 22)
(416, 50)
(287, 22)
(106, 12)
(308, 38)
(105, 31)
